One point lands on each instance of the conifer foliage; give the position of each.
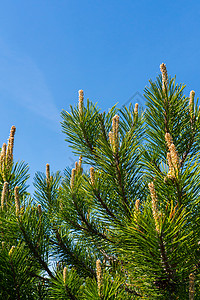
(124, 223)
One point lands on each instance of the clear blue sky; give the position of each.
(51, 49)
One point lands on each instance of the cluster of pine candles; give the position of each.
(126, 229)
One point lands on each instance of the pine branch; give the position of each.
(179, 193)
(34, 251)
(72, 297)
(130, 291)
(109, 212)
(102, 126)
(74, 257)
(108, 257)
(185, 154)
(123, 194)
(86, 138)
(89, 228)
(15, 281)
(167, 268)
(39, 277)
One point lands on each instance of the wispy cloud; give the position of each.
(24, 82)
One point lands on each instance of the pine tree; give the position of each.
(124, 222)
